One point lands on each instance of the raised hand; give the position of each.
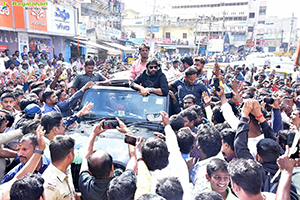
(206, 98)
(98, 129)
(40, 132)
(122, 127)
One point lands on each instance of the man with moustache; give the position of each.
(140, 64)
(27, 147)
(152, 80)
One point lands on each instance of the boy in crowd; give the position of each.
(218, 177)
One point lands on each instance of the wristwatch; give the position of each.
(38, 151)
(151, 90)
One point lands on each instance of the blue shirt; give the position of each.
(64, 106)
(240, 77)
(48, 108)
(11, 174)
(68, 121)
(184, 89)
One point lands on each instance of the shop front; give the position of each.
(8, 40)
(41, 44)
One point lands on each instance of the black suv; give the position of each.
(126, 104)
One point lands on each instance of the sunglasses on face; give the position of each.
(151, 67)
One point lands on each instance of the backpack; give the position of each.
(272, 187)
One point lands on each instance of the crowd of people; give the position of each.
(226, 136)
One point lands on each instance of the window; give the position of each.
(251, 15)
(262, 10)
(168, 35)
(250, 29)
(261, 22)
(184, 35)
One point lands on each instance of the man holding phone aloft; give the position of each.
(97, 166)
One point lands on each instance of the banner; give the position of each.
(6, 18)
(37, 15)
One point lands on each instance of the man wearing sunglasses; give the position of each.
(151, 80)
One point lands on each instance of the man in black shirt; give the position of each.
(89, 75)
(152, 80)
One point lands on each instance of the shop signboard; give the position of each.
(37, 15)
(3, 47)
(103, 33)
(82, 30)
(155, 29)
(64, 21)
(6, 18)
(114, 32)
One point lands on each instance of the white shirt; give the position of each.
(172, 73)
(229, 116)
(248, 76)
(2, 65)
(198, 173)
(176, 168)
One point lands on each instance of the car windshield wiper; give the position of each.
(153, 126)
(98, 119)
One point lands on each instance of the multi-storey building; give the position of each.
(236, 19)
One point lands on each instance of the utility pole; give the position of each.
(223, 29)
(201, 20)
(223, 26)
(281, 38)
(252, 37)
(211, 18)
(151, 31)
(292, 23)
(195, 33)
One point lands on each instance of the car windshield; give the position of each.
(127, 104)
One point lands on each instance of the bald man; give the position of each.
(96, 172)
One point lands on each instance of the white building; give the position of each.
(213, 19)
(277, 34)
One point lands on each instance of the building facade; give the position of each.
(41, 26)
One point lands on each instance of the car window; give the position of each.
(123, 104)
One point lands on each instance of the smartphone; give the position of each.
(290, 140)
(216, 82)
(110, 124)
(268, 100)
(228, 95)
(156, 117)
(130, 140)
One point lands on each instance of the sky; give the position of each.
(280, 8)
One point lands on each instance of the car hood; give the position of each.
(111, 140)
